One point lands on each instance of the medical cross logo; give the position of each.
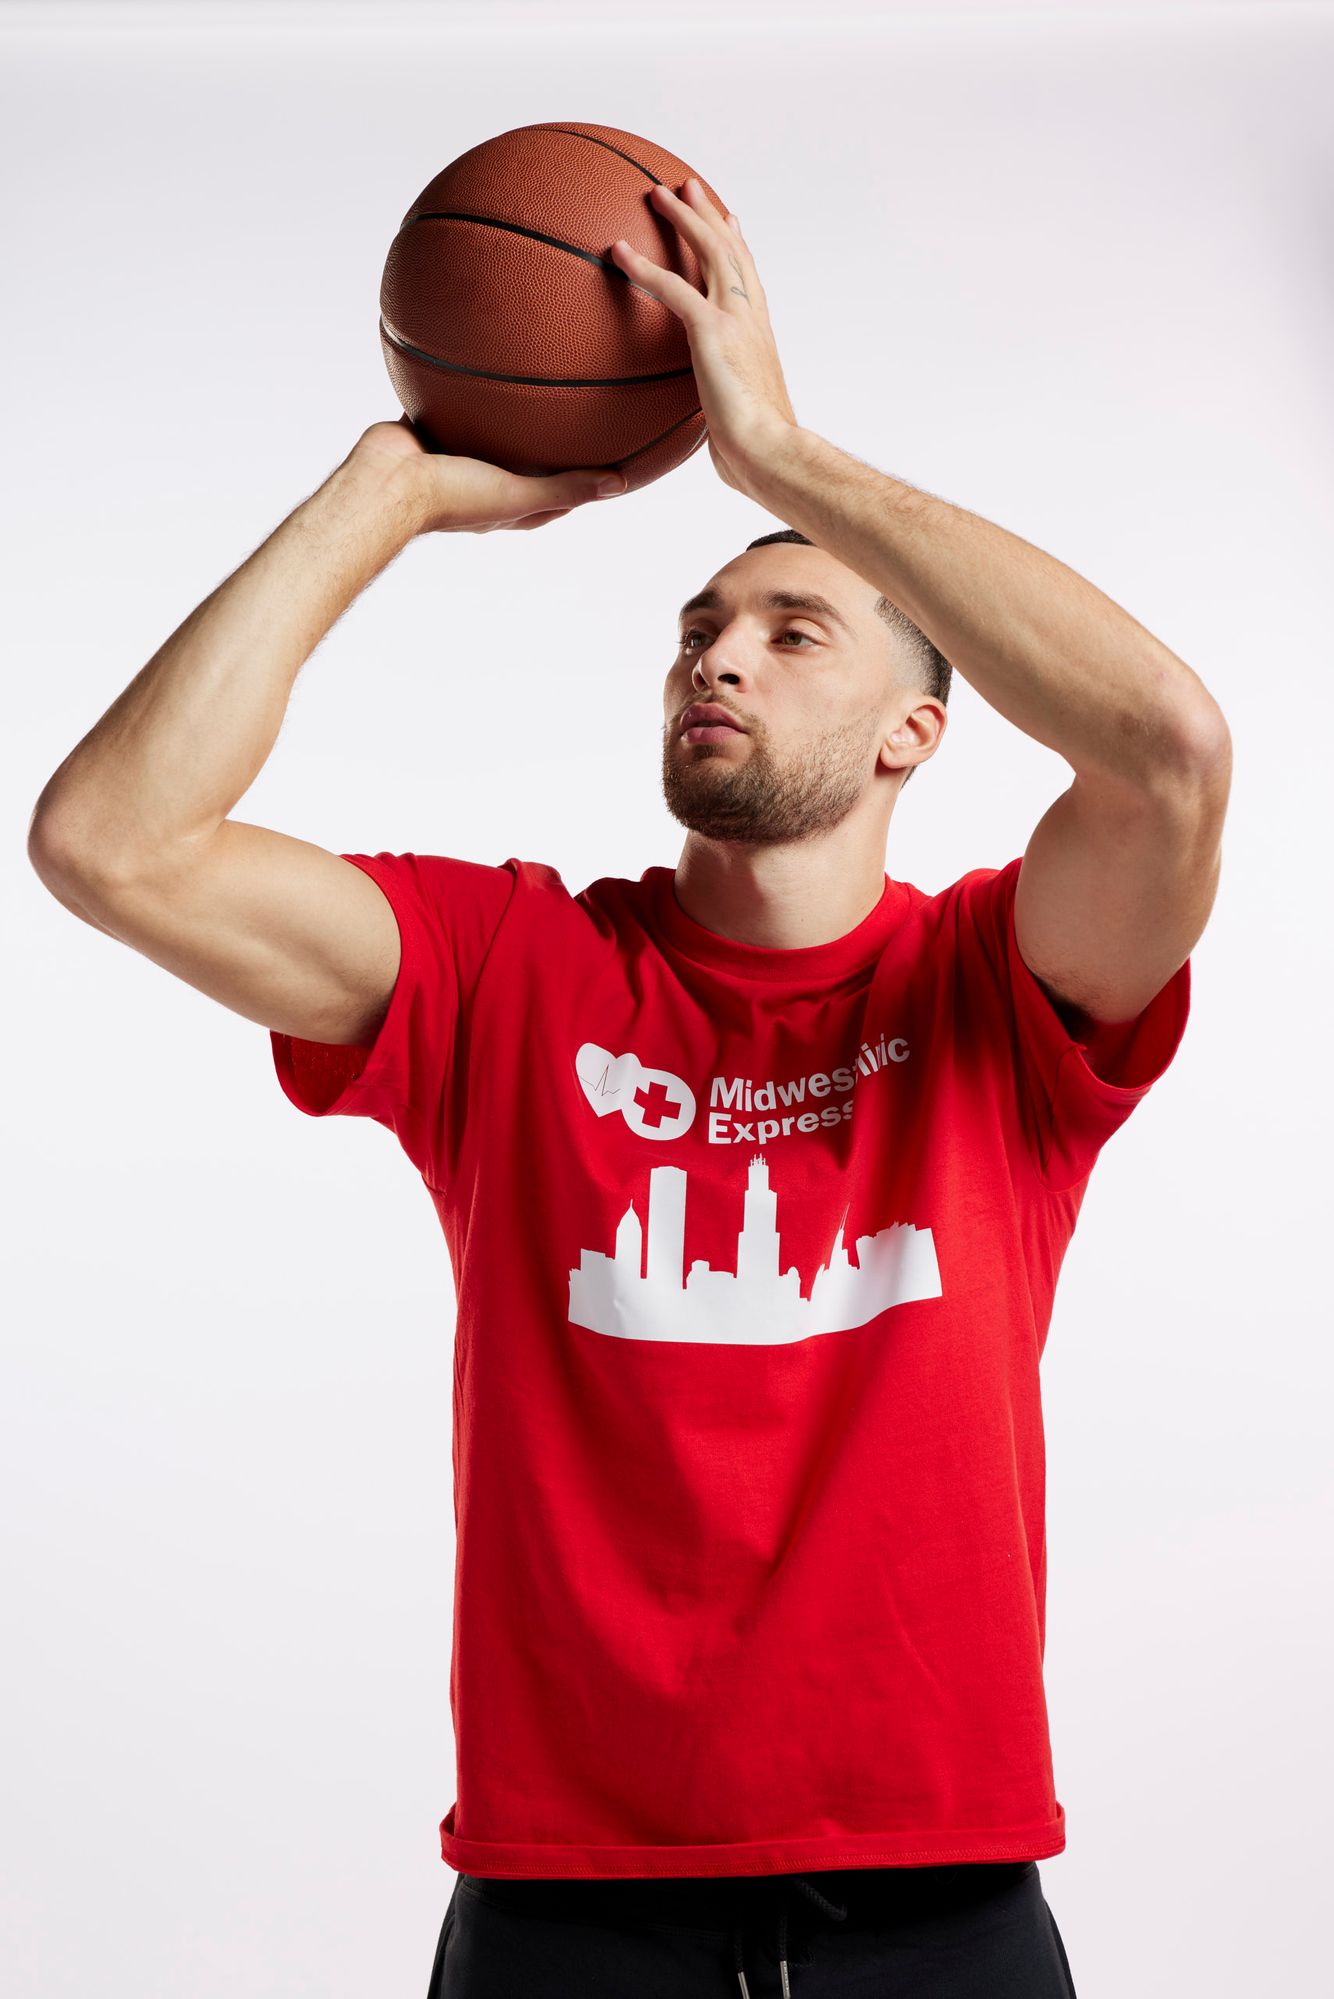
(655, 1102)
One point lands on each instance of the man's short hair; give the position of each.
(927, 667)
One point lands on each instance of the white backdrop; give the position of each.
(1065, 266)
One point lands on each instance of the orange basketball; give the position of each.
(509, 332)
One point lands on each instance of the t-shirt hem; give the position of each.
(909, 1848)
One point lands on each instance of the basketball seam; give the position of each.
(530, 381)
(640, 449)
(534, 235)
(517, 229)
(610, 148)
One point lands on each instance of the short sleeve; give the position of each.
(448, 912)
(1073, 1091)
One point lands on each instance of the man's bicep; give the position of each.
(1073, 1085)
(276, 929)
(446, 913)
(1117, 885)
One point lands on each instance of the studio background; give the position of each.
(1065, 266)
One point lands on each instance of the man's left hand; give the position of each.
(737, 371)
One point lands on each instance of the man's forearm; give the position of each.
(1045, 647)
(187, 738)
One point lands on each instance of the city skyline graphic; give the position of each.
(642, 1291)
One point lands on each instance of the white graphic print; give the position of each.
(653, 1102)
(642, 1292)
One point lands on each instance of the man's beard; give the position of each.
(749, 797)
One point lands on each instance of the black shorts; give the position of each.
(976, 1931)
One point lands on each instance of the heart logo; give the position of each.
(653, 1102)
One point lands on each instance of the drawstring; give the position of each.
(784, 1882)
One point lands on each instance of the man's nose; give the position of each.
(719, 663)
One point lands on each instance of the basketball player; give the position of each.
(756, 1175)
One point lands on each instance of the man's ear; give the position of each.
(906, 734)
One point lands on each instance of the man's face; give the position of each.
(812, 688)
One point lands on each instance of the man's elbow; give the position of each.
(1193, 760)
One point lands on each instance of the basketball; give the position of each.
(509, 332)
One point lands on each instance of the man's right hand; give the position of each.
(467, 495)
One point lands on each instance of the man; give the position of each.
(756, 1176)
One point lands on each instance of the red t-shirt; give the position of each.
(754, 1254)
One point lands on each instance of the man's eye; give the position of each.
(692, 634)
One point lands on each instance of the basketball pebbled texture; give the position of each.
(508, 331)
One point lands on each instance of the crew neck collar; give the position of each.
(800, 964)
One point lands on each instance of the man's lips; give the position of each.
(704, 721)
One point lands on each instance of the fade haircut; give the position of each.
(929, 669)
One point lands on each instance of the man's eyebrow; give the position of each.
(772, 600)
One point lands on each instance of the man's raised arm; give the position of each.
(131, 833)
(1121, 872)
